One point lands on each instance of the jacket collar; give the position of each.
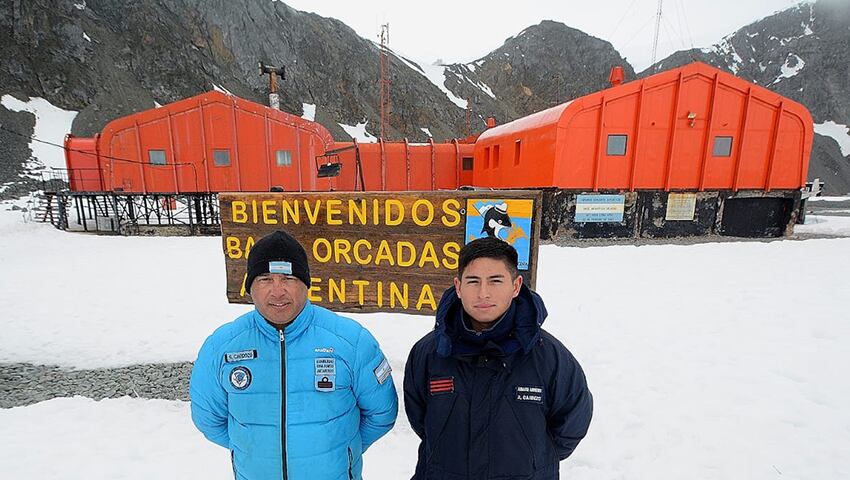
(293, 330)
(529, 315)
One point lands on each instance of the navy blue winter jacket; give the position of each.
(507, 404)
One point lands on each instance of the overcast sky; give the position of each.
(462, 31)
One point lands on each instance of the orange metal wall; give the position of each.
(399, 166)
(666, 148)
(82, 152)
(520, 153)
(191, 131)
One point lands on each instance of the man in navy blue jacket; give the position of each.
(490, 393)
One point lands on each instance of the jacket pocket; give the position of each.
(523, 434)
(513, 439)
(436, 420)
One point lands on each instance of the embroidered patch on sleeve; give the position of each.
(439, 386)
(382, 371)
(529, 394)
(240, 356)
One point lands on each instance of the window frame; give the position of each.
(517, 151)
(467, 164)
(728, 147)
(151, 159)
(288, 158)
(625, 145)
(215, 157)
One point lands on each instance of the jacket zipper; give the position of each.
(283, 404)
(350, 465)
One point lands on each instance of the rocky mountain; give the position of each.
(802, 53)
(109, 58)
(543, 66)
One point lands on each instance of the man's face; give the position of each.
(279, 298)
(486, 290)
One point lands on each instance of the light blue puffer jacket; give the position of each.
(339, 396)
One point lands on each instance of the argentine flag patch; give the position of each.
(382, 371)
(284, 268)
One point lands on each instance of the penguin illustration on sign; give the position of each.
(495, 218)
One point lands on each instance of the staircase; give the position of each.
(51, 207)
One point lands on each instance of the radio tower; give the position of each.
(385, 81)
(657, 30)
(468, 116)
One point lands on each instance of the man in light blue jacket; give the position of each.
(293, 390)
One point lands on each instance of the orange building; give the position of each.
(690, 151)
(691, 128)
(215, 142)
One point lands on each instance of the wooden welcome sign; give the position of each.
(379, 251)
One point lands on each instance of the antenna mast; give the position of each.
(385, 81)
(657, 30)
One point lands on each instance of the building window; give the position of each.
(284, 158)
(156, 157)
(221, 158)
(467, 163)
(617, 144)
(486, 158)
(495, 156)
(516, 152)
(722, 147)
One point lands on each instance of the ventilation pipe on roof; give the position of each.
(617, 75)
(273, 72)
(491, 122)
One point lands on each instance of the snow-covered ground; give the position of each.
(825, 225)
(709, 361)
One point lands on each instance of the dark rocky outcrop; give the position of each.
(543, 66)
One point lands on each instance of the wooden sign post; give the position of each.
(379, 251)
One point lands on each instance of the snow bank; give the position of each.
(787, 70)
(309, 111)
(838, 132)
(125, 438)
(825, 225)
(358, 132)
(436, 74)
(51, 125)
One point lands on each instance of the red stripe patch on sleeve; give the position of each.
(442, 385)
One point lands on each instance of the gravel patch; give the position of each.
(24, 384)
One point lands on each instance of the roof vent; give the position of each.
(617, 75)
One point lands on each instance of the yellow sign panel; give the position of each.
(681, 206)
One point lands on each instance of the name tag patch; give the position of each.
(529, 394)
(382, 371)
(284, 268)
(325, 374)
(240, 356)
